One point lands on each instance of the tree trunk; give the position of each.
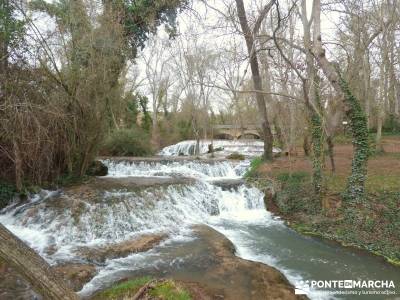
(306, 144)
(330, 144)
(358, 122)
(379, 124)
(32, 268)
(255, 73)
(311, 93)
(155, 136)
(17, 166)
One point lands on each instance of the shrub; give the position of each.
(7, 193)
(296, 193)
(127, 142)
(254, 165)
(294, 178)
(391, 124)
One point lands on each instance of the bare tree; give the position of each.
(249, 36)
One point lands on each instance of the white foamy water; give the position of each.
(194, 169)
(63, 222)
(221, 147)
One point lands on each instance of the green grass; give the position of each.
(254, 165)
(123, 289)
(293, 178)
(374, 184)
(166, 290)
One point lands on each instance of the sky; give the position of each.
(205, 26)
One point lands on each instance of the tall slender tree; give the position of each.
(249, 36)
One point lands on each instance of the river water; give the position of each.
(215, 196)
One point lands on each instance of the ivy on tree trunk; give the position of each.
(355, 190)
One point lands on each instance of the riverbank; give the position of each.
(373, 225)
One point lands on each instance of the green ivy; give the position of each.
(355, 190)
(317, 140)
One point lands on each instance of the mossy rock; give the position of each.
(97, 168)
(236, 156)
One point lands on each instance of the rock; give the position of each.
(76, 275)
(228, 184)
(122, 249)
(131, 183)
(210, 148)
(231, 277)
(97, 168)
(236, 156)
(209, 265)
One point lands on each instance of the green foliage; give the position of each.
(254, 165)
(185, 129)
(11, 28)
(132, 110)
(353, 224)
(317, 141)
(294, 178)
(294, 195)
(168, 290)
(355, 190)
(146, 121)
(142, 17)
(391, 124)
(7, 192)
(127, 142)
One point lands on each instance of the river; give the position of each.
(208, 191)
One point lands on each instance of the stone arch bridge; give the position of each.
(234, 132)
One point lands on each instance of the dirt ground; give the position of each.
(383, 169)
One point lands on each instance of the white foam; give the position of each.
(195, 169)
(222, 147)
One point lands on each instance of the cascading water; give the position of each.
(190, 168)
(63, 221)
(221, 148)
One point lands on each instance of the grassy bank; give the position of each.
(373, 225)
(161, 289)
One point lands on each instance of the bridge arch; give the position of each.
(249, 135)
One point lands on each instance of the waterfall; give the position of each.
(56, 223)
(64, 221)
(194, 169)
(221, 148)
